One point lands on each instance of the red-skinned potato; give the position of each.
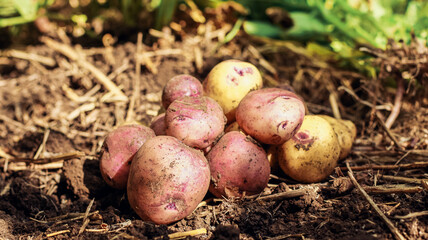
(312, 153)
(158, 124)
(181, 86)
(239, 166)
(195, 121)
(229, 81)
(167, 180)
(270, 115)
(119, 147)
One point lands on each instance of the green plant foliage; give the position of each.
(334, 29)
(15, 12)
(263, 29)
(165, 12)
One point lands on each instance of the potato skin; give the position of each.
(120, 146)
(195, 121)
(238, 164)
(272, 155)
(158, 124)
(229, 81)
(345, 134)
(181, 86)
(312, 153)
(167, 180)
(270, 115)
(234, 126)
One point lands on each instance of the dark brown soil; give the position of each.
(39, 201)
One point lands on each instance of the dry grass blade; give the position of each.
(388, 167)
(73, 55)
(388, 222)
(392, 189)
(42, 145)
(31, 57)
(191, 233)
(287, 236)
(162, 52)
(388, 132)
(280, 196)
(403, 179)
(63, 156)
(135, 81)
(412, 215)
(57, 233)
(65, 218)
(85, 218)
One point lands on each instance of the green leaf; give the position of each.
(230, 35)
(262, 29)
(306, 26)
(26, 8)
(165, 12)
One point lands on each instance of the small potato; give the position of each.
(198, 122)
(119, 148)
(167, 180)
(351, 127)
(345, 134)
(158, 124)
(272, 155)
(270, 115)
(239, 166)
(312, 153)
(233, 127)
(181, 86)
(229, 81)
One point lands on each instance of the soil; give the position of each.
(44, 196)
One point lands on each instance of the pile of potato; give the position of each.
(224, 136)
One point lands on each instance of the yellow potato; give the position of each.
(233, 127)
(229, 81)
(351, 126)
(272, 155)
(312, 153)
(346, 133)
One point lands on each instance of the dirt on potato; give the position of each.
(53, 120)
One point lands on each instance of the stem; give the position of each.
(388, 222)
(397, 104)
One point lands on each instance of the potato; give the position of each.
(120, 145)
(345, 134)
(229, 81)
(158, 124)
(181, 86)
(167, 180)
(272, 155)
(351, 127)
(239, 166)
(270, 115)
(195, 121)
(312, 153)
(233, 127)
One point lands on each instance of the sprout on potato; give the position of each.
(229, 81)
(312, 153)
